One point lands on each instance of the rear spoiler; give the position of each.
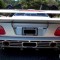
(40, 20)
(29, 11)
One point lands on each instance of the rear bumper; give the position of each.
(29, 42)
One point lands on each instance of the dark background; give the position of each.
(28, 54)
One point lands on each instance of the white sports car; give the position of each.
(29, 30)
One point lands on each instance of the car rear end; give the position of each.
(33, 32)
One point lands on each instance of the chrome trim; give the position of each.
(20, 44)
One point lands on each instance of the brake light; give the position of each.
(57, 32)
(2, 31)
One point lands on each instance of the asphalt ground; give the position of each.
(28, 54)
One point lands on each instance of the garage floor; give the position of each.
(28, 54)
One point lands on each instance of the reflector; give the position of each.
(2, 31)
(57, 32)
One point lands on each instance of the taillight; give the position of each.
(2, 31)
(57, 32)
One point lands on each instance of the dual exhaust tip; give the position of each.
(53, 44)
(7, 43)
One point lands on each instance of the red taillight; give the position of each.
(57, 32)
(2, 31)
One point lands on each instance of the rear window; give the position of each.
(31, 14)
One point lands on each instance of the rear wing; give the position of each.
(29, 11)
(41, 20)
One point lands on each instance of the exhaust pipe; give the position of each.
(29, 44)
(53, 44)
(5, 43)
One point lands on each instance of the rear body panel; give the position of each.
(15, 39)
(47, 29)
